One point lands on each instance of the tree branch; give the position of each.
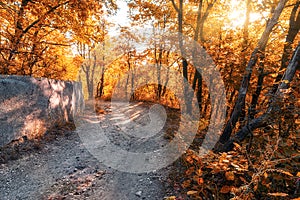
(176, 7)
(43, 16)
(266, 118)
(246, 78)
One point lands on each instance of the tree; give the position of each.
(31, 29)
(246, 78)
(294, 28)
(273, 110)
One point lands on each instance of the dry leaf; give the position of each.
(200, 181)
(192, 192)
(285, 172)
(278, 194)
(199, 172)
(225, 189)
(242, 179)
(229, 176)
(190, 171)
(186, 184)
(234, 165)
(266, 175)
(170, 198)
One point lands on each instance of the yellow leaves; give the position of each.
(78, 60)
(298, 174)
(286, 81)
(274, 75)
(48, 28)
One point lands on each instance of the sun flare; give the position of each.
(237, 14)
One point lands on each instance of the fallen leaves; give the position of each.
(192, 192)
(226, 189)
(278, 194)
(229, 176)
(170, 198)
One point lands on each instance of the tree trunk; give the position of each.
(127, 80)
(132, 95)
(255, 96)
(292, 33)
(246, 78)
(158, 64)
(167, 78)
(101, 84)
(244, 52)
(266, 118)
(184, 62)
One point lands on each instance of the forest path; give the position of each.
(66, 169)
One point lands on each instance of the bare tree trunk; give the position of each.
(246, 78)
(86, 70)
(132, 85)
(127, 80)
(197, 75)
(100, 87)
(256, 94)
(93, 75)
(244, 52)
(158, 64)
(159, 84)
(167, 77)
(184, 62)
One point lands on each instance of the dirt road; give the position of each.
(66, 169)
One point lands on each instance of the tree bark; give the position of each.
(266, 118)
(260, 81)
(246, 78)
(292, 33)
(188, 103)
(100, 87)
(244, 52)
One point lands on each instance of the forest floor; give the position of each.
(80, 164)
(64, 169)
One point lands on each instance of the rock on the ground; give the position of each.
(31, 106)
(139, 193)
